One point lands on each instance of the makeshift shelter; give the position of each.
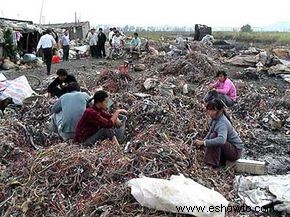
(25, 34)
(77, 30)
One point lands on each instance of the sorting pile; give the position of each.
(196, 65)
(62, 179)
(68, 180)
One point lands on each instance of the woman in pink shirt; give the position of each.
(222, 89)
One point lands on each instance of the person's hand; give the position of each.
(52, 100)
(199, 142)
(122, 111)
(118, 123)
(211, 86)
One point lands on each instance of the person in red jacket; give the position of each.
(97, 124)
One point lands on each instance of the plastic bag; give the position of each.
(18, 89)
(178, 195)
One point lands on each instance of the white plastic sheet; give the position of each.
(2, 77)
(178, 195)
(18, 89)
(264, 190)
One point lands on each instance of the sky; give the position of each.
(215, 13)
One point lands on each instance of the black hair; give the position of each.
(100, 29)
(54, 51)
(111, 29)
(217, 105)
(99, 96)
(222, 72)
(136, 34)
(73, 86)
(48, 31)
(61, 72)
(114, 28)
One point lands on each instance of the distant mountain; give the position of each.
(279, 26)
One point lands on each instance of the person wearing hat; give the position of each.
(101, 44)
(223, 89)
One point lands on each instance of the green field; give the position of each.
(277, 38)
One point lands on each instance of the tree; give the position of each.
(9, 47)
(246, 28)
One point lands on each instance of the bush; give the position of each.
(246, 28)
(9, 46)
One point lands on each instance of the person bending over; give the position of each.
(68, 110)
(222, 141)
(59, 86)
(222, 89)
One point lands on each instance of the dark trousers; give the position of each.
(108, 133)
(65, 52)
(93, 50)
(57, 92)
(215, 95)
(101, 50)
(218, 155)
(47, 52)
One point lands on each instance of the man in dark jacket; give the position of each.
(101, 44)
(59, 86)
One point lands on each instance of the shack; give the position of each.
(25, 34)
(77, 30)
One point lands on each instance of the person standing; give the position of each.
(65, 45)
(46, 42)
(111, 34)
(101, 43)
(92, 38)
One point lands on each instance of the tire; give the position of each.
(33, 81)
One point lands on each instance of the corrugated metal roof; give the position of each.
(68, 25)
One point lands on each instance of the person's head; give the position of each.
(62, 74)
(73, 86)
(215, 108)
(101, 99)
(48, 31)
(65, 32)
(100, 30)
(221, 75)
(117, 33)
(135, 34)
(93, 30)
(114, 29)
(111, 29)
